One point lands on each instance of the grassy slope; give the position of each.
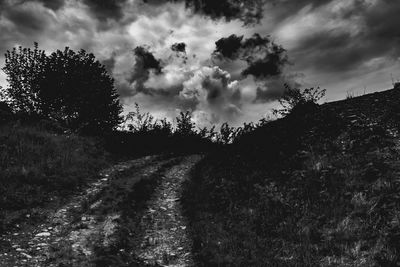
(38, 164)
(317, 188)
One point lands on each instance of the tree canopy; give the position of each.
(71, 88)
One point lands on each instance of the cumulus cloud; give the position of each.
(210, 90)
(133, 70)
(187, 86)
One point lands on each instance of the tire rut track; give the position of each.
(69, 234)
(166, 241)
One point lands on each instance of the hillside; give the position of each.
(374, 107)
(40, 166)
(316, 188)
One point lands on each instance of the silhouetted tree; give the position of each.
(22, 67)
(185, 126)
(76, 90)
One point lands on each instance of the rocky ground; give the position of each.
(166, 241)
(130, 216)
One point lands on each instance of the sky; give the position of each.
(225, 60)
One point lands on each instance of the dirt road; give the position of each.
(130, 216)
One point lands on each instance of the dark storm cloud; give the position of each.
(26, 20)
(145, 62)
(180, 52)
(52, 4)
(229, 47)
(249, 11)
(264, 58)
(104, 9)
(284, 9)
(383, 23)
(179, 47)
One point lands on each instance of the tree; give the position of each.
(77, 91)
(184, 124)
(227, 134)
(71, 88)
(22, 67)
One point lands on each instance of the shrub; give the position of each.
(136, 121)
(295, 97)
